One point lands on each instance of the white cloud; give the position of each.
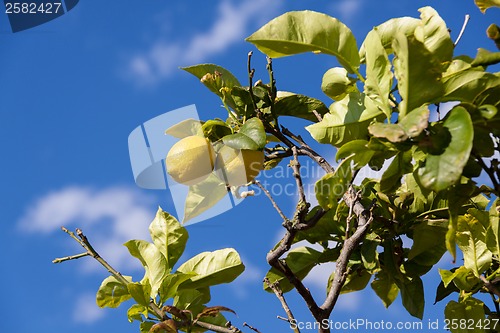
(346, 9)
(109, 216)
(86, 310)
(233, 20)
(250, 276)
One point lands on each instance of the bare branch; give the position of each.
(318, 116)
(251, 327)
(251, 72)
(73, 257)
(490, 286)
(279, 294)
(466, 21)
(275, 205)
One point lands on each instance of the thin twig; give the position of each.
(318, 116)
(73, 257)
(279, 294)
(296, 174)
(466, 21)
(215, 328)
(251, 72)
(251, 327)
(275, 205)
(489, 171)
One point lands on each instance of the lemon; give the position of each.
(190, 160)
(238, 167)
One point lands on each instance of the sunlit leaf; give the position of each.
(378, 75)
(203, 196)
(331, 187)
(471, 239)
(486, 58)
(250, 136)
(185, 128)
(441, 171)
(336, 83)
(137, 312)
(307, 31)
(212, 268)
(171, 283)
(493, 229)
(359, 151)
(418, 73)
(214, 77)
(355, 281)
(168, 236)
(385, 288)
(485, 4)
(140, 292)
(112, 292)
(152, 259)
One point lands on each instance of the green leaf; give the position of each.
(389, 29)
(171, 283)
(378, 75)
(185, 128)
(168, 236)
(140, 292)
(462, 277)
(336, 83)
(192, 299)
(300, 106)
(469, 310)
(412, 295)
(471, 239)
(369, 254)
(331, 187)
(418, 73)
(428, 244)
(464, 83)
(152, 259)
(146, 326)
(348, 120)
(435, 35)
(137, 312)
(359, 151)
(493, 230)
(400, 165)
(203, 196)
(213, 77)
(250, 136)
(443, 170)
(215, 129)
(301, 261)
(483, 5)
(221, 266)
(409, 126)
(112, 292)
(385, 288)
(307, 31)
(486, 58)
(442, 292)
(355, 281)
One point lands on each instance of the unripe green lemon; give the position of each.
(190, 160)
(238, 167)
(336, 83)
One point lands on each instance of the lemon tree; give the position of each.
(190, 160)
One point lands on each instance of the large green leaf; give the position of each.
(307, 31)
(152, 259)
(250, 136)
(168, 236)
(385, 288)
(331, 187)
(336, 83)
(441, 171)
(300, 260)
(192, 299)
(493, 230)
(348, 120)
(435, 35)
(485, 4)
(358, 150)
(378, 75)
(412, 296)
(486, 58)
(418, 73)
(409, 126)
(203, 196)
(294, 105)
(141, 292)
(221, 266)
(464, 83)
(471, 239)
(213, 76)
(112, 292)
(171, 283)
(428, 244)
(469, 310)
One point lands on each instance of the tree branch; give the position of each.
(275, 205)
(279, 294)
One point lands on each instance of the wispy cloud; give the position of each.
(112, 215)
(232, 24)
(346, 9)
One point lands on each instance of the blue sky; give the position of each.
(73, 89)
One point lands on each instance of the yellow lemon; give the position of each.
(190, 160)
(238, 167)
